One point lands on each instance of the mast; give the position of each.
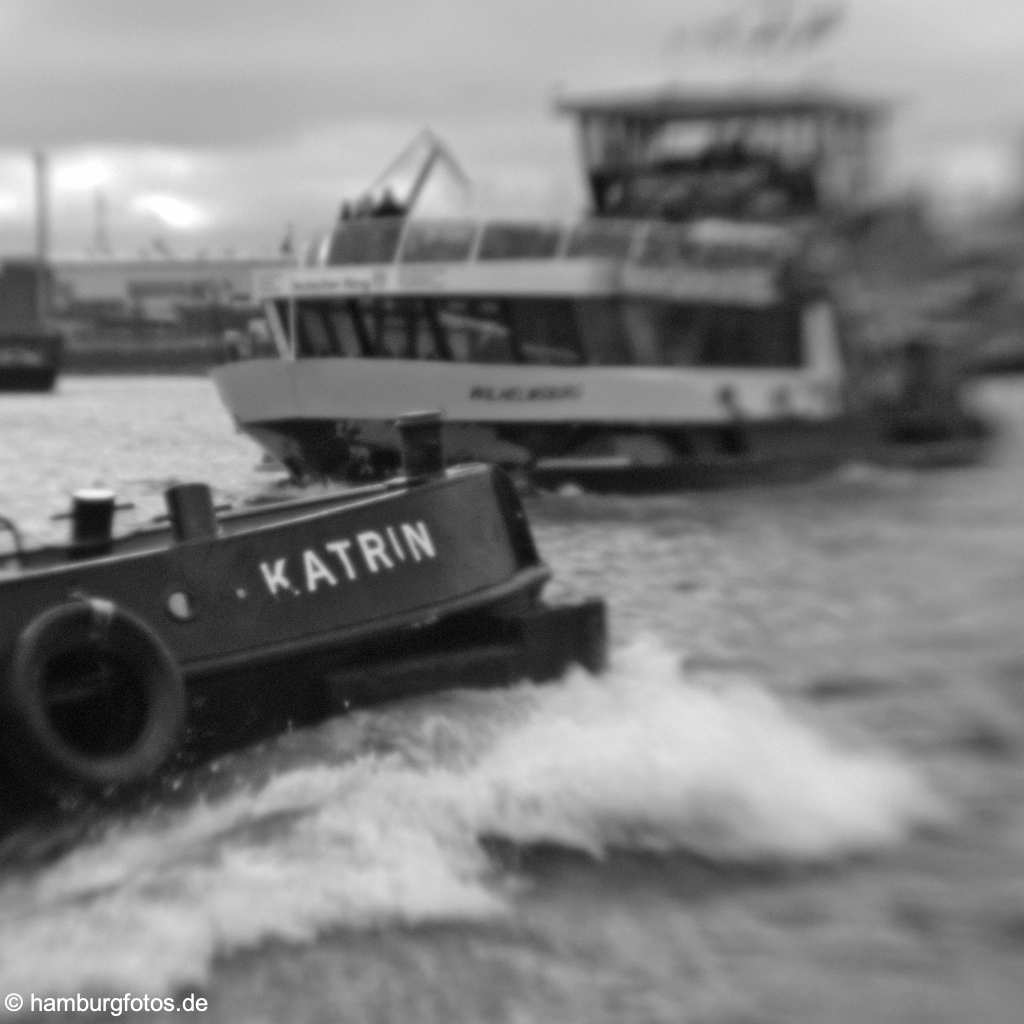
(41, 164)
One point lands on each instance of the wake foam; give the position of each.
(728, 772)
(639, 759)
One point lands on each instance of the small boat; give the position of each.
(122, 657)
(31, 352)
(688, 333)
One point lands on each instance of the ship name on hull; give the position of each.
(349, 559)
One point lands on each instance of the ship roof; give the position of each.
(679, 103)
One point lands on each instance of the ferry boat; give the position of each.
(686, 333)
(125, 657)
(31, 353)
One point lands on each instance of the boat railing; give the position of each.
(649, 244)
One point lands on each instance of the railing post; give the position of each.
(474, 249)
(562, 249)
(402, 235)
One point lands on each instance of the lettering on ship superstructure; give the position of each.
(549, 393)
(332, 563)
(340, 284)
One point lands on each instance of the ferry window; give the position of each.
(673, 334)
(545, 331)
(359, 310)
(392, 329)
(684, 331)
(476, 330)
(364, 241)
(345, 329)
(314, 339)
(666, 333)
(438, 241)
(728, 341)
(429, 341)
(601, 240)
(666, 245)
(779, 336)
(519, 241)
(603, 332)
(643, 324)
(752, 337)
(401, 328)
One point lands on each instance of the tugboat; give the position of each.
(688, 333)
(123, 657)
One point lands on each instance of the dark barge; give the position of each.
(31, 350)
(30, 362)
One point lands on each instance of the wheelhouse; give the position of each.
(678, 153)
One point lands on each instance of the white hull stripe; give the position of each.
(271, 390)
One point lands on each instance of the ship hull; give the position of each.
(610, 427)
(631, 457)
(30, 362)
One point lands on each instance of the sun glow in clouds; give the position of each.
(171, 211)
(82, 174)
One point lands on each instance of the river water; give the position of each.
(798, 795)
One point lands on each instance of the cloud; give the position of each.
(270, 112)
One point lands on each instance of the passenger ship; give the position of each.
(665, 340)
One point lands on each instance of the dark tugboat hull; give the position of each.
(122, 659)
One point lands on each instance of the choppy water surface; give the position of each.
(797, 796)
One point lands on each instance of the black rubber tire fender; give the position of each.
(114, 638)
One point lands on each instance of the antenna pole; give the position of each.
(41, 165)
(42, 195)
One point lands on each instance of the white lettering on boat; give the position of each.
(371, 543)
(395, 546)
(328, 564)
(275, 578)
(317, 572)
(340, 549)
(418, 538)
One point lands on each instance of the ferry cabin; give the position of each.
(742, 153)
(639, 340)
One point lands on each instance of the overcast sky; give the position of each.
(214, 123)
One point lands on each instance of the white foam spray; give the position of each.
(637, 759)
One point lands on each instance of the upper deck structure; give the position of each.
(748, 153)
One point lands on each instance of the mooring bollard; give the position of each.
(422, 448)
(191, 511)
(92, 522)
